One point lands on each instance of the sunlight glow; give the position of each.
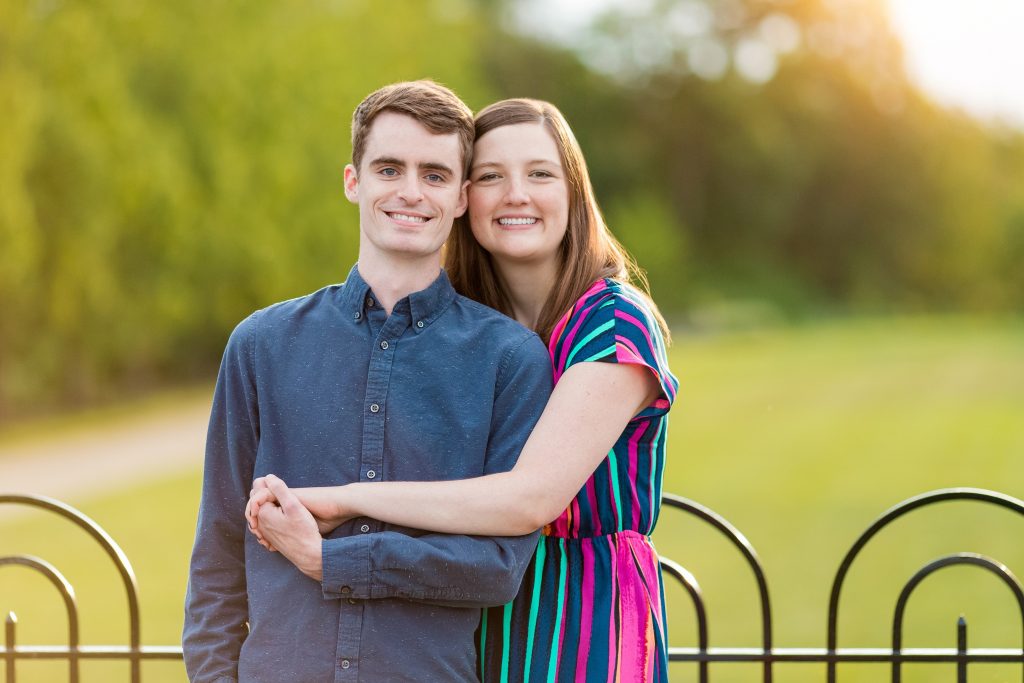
(966, 54)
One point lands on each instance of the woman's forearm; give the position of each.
(573, 436)
(493, 505)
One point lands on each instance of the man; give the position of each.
(390, 375)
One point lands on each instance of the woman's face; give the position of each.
(519, 196)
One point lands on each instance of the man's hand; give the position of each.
(289, 528)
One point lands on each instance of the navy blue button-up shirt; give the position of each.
(328, 389)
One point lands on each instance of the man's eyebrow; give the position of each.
(436, 166)
(388, 161)
(425, 166)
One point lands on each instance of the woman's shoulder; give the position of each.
(608, 298)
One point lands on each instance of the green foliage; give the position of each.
(166, 169)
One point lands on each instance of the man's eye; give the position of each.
(434, 178)
(389, 171)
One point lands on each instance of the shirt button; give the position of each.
(384, 345)
(364, 528)
(345, 590)
(371, 474)
(374, 408)
(357, 315)
(369, 302)
(345, 664)
(419, 323)
(352, 602)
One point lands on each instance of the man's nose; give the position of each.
(411, 190)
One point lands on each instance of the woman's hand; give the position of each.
(325, 503)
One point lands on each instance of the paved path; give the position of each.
(86, 462)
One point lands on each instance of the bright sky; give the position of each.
(967, 53)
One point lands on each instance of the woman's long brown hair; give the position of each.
(588, 252)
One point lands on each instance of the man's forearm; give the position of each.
(444, 569)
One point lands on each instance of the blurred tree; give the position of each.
(167, 168)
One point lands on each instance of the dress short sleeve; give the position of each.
(613, 323)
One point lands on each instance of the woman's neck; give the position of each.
(527, 286)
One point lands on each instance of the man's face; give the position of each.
(409, 189)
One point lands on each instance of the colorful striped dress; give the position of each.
(590, 608)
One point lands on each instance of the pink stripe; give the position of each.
(577, 516)
(591, 489)
(631, 602)
(586, 611)
(634, 657)
(613, 650)
(627, 352)
(634, 463)
(580, 317)
(654, 349)
(650, 573)
(652, 495)
(568, 339)
(639, 325)
(556, 331)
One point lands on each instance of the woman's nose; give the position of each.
(516, 193)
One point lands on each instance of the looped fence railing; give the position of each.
(832, 655)
(74, 652)
(703, 655)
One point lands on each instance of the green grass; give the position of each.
(154, 525)
(800, 437)
(803, 437)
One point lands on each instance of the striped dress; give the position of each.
(590, 608)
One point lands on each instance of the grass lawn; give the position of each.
(800, 437)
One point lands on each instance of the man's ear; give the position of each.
(351, 184)
(463, 199)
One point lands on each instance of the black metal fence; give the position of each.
(832, 655)
(766, 654)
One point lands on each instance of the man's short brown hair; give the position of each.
(431, 104)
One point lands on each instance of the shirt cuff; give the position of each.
(346, 567)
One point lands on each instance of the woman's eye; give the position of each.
(541, 174)
(487, 176)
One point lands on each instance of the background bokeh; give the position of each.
(838, 255)
(168, 168)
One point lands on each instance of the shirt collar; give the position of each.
(425, 306)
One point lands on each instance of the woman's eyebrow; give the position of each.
(531, 162)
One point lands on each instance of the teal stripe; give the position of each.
(601, 354)
(656, 463)
(553, 659)
(538, 574)
(506, 629)
(483, 642)
(583, 342)
(613, 464)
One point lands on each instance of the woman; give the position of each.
(590, 607)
